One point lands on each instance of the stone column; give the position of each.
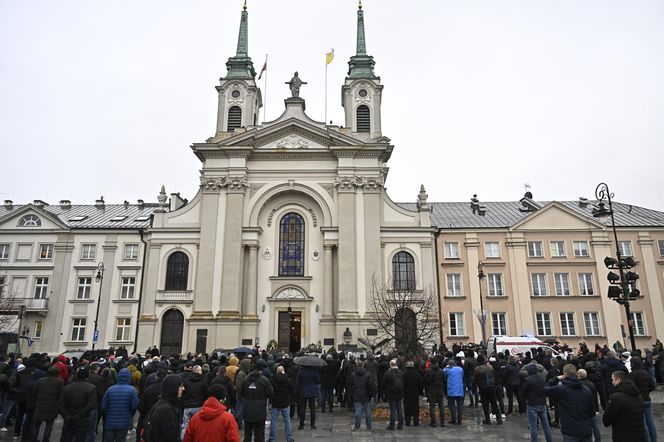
(518, 268)
(372, 248)
(205, 268)
(347, 250)
(64, 246)
(232, 255)
(649, 273)
(472, 251)
(328, 293)
(106, 321)
(252, 277)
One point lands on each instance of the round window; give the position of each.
(363, 93)
(235, 94)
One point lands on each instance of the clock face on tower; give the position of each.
(235, 94)
(362, 93)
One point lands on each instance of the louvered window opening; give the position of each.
(363, 119)
(234, 118)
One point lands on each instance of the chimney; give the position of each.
(9, 204)
(100, 202)
(583, 201)
(474, 204)
(40, 203)
(65, 204)
(176, 201)
(140, 203)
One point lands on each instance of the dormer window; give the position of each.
(29, 221)
(234, 118)
(363, 119)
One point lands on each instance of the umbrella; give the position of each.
(309, 361)
(242, 350)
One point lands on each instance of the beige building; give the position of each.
(544, 270)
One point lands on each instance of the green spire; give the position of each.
(240, 66)
(361, 65)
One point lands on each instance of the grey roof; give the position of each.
(95, 217)
(504, 214)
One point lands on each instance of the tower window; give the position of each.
(234, 118)
(363, 119)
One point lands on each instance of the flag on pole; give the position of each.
(329, 56)
(263, 69)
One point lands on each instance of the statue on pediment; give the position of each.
(295, 83)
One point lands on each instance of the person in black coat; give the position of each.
(640, 376)
(512, 382)
(166, 416)
(284, 390)
(148, 399)
(256, 391)
(434, 383)
(224, 380)
(583, 377)
(575, 402)
(47, 393)
(31, 404)
(327, 381)
(412, 388)
(393, 388)
(77, 403)
(305, 383)
(624, 412)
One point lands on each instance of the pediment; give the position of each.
(555, 216)
(35, 219)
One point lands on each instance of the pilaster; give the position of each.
(249, 311)
(518, 268)
(231, 284)
(106, 314)
(472, 245)
(649, 273)
(206, 253)
(346, 188)
(54, 321)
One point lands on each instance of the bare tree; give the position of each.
(9, 306)
(409, 317)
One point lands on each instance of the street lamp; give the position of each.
(100, 279)
(481, 316)
(622, 290)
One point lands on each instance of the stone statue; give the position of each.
(295, 84)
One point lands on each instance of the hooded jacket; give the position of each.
(256, 391)
(576, 406)
(195, 391)
(232, 368)
(240, 376)
(454, 377)
(213, 423)
(361, 384)
(62, 368)
(120, 402)
(77, 400)
(166, 417)
(624, 413)
(47, 393)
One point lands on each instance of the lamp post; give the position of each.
(100, 279)
(623, 294)
(481, 316)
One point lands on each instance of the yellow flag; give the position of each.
(329, 56)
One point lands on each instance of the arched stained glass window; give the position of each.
(177, 271)
(403, 271)
(291, 245)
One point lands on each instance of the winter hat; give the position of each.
(531, 369)
(409, 364)
(217, 391)
(170, 386)
(82, 373)
(260, 364)
(20, 367)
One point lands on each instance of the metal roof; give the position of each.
(504, 214)
(95, 217)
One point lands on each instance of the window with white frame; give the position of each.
(41, 287)
(543, 321)
(660, 243)
(29, 221)
(535, 249)
(492, 249)
(495, 282)
(538, 281)
(639, 323)
(499, 323)
(122, 329)
(454, 284)
(39, 328)
(3, 281)
(127, 287)
(4, 251)
(131, 252)
(562, 284)
(580, 249)
(625, 248)
(586, 284)
(451, 250)
(558, 249)
(78, 329)
(591, 322)
(84, 287)
(88, 251)
(456, 324)
(567, 327)
(46, 251)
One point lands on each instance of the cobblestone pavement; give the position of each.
(337, 427)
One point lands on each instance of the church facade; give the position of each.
(290, 227)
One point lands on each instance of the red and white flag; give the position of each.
(263, 69)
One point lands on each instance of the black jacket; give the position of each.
(393, 384)
(256, 391)
(533, 390)
(78, 399)
(576, 406)
(228, 385)
(150, 396)
(284, 390)
(47, 393)
(593, 390)
(643, 381)
(195, 391)
(434, 382)
(511, 374)
(328, 378)
(624, 413)
(362, 385)
(166, 418)
(96, 380)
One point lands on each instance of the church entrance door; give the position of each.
(172, 325)
(290, 331)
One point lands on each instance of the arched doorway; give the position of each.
(405, 331)
(172, 325)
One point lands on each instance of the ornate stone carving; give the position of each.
(293, 142)
(290, 293)
(329, 188)
(351, 182)
(313, 217)
(267, 253)
(219, 182)
(372, 182)
(253, 188)
(161, 199)
(422, 204)
(270, 216)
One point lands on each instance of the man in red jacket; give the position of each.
(62, 366)
(213, 422)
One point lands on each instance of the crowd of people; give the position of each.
(217, 397)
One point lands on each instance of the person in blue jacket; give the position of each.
(119, 405)
(455, 390)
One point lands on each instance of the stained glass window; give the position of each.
(403, 271)
(177, 271)
(291, 245)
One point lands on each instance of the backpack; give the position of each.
(371, 386)
(397, 382)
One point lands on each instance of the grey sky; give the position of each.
(480, 96)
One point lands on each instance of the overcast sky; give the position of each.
(105, 98)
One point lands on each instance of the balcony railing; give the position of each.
(181, 296)
(33, 304)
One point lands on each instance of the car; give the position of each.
(70, 354)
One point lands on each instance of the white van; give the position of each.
(515, 344)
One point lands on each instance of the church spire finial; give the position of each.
(361, 65)
(240, 66)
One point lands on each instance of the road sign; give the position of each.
(95, 338)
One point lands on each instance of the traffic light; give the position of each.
(623, 285)
(614, 292)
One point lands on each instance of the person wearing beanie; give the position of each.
(256, 391)
(77, 405)
(119, 405)
(412, 386)
(213, 423)
(166, 417)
